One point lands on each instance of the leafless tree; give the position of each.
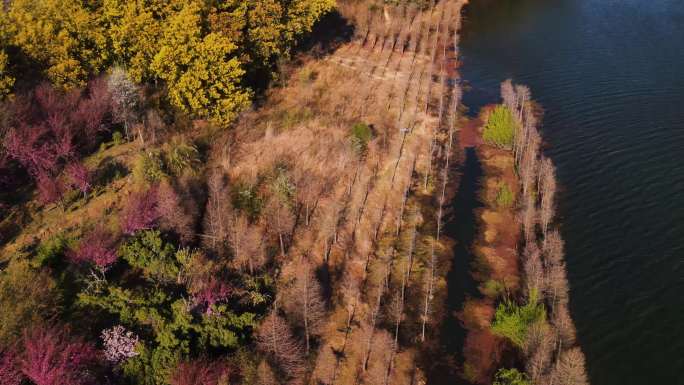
(275, 338)
(547, 189)
(552, 248)
(508, 95)
(306, 296)
(265, 375)
(528, 218)
(534, 271)
(562, 322)
(556, 283)
(217, 213)
(539, 349)
(280, 220)
(247, 244)
(570, 369)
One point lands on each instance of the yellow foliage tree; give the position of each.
(64, 36)
(201, 76)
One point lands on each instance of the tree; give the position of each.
(6, 80)
(570, 369)
(52, 357)
(306, 302)
(513, 321)
(539, 350)
(141, 211)
(154, 255)
(63, 36)
(200, 373)
(27, 296)
(125, 98)
(534, 271)
(9, 368)
(217, 213)
(97, 248)
(247, 244)
(547, 189)
(119, 344)
(175, 213)
(275, 338)
(510, 377)
(79, 177)
(500, 129)
(280, 220)
(202, 78)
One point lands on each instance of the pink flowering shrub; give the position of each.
(52, 357)
(79, 177)
(119, 344)
(210, 292)
(97, 248)
(141, 212)
(9, 370)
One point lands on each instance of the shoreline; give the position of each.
(519, 262)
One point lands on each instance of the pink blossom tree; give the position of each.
(79, 177)
(52, 357)
(211, 292)
(141, 212)
(97, 248)
(50, 189)
(9, 370)
(119, 344)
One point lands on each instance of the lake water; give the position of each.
(610, 75)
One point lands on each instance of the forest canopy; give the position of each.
(204, 51)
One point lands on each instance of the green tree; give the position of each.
(501, 128)
(510, 377)
(153, 255)
(513, 321)
(27, 296)
(202, 78)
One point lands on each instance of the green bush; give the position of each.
(247, 199)
(513, 321)
(117, 138)
(182, 157)
(27, 296)
(152, 254)
(149, 168)
(501, 128)
(510, 377)
(50, 251)
(504, 197)
(361, 135)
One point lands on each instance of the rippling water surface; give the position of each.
(610, 75)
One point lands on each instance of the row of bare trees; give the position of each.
(551, 351)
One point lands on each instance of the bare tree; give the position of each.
(547, 189)
(217, 213)
(570, 369)
(275, 338)
(247, 244)
(540, 343)
(556, 283)
(552, 248)
(563, 324)
(534, 271)
(528, 218)
(306, 297)
(265, 375)
(508, 95)
(280, 220)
